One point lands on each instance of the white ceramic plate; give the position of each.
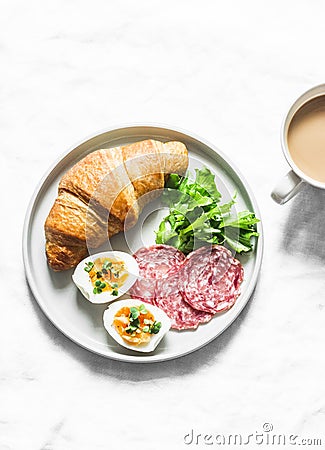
(57, 295)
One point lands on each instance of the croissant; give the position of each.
(104, 193)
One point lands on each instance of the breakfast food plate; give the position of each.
(58, 296)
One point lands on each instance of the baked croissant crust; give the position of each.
(104, 193)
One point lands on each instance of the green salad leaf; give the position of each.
(197, 216)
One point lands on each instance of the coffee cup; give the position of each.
(303, 144)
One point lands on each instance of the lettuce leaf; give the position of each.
(197, 216)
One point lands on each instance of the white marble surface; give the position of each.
(228, 72)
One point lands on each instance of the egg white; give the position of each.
(82, 280)
(159, 315)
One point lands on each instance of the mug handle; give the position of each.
(287, 188)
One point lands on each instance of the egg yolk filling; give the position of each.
(136, 324)
(106, 275)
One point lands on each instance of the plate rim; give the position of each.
(259, 249)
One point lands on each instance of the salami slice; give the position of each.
(170, 299)
(159, 260)
(155, 262)
(144, 290)
(211, 279)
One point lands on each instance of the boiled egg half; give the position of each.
(136, 325)
(105, 276)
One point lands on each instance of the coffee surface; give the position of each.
(306, 138)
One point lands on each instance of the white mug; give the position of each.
(294, 180)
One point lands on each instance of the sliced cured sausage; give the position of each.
(170, 299)
(159, 283)
(156, 261)
(211, 279)
(190, 290)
